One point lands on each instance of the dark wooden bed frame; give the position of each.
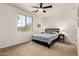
(48, 30)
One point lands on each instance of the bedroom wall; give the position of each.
(78, 30)
(8, 26)
(36, 21)
(66, 19)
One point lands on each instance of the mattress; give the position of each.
(45, 37)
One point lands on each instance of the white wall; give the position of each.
(37, 20)
(66, 19)
(77, 30)
(78, 41)
(8, 26)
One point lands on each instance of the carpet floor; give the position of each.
(34, 49)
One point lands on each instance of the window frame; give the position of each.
(31, 22)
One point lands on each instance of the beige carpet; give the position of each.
(34, 49)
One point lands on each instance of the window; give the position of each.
(24, 23)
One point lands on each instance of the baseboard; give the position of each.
(14, 44)
(70, 43)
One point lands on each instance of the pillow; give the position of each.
(53, 33)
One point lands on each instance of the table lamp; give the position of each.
(61, 29)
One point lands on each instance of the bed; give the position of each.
(48, 38)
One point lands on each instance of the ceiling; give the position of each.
(57, 8)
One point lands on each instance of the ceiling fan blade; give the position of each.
(50, 6)
(41, 4)
(44, 11)
(35, 7)
(35, 11)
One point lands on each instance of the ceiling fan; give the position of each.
(41, 8)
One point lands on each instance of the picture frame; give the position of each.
(38, 25)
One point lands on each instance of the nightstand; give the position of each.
(61, 37)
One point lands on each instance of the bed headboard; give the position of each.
(48, 30)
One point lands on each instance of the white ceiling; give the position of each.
(56, 9)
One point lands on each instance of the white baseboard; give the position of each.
(15, 43)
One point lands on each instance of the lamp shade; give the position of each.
(40, 9)
(61, 29)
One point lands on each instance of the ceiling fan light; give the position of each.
(40, 9)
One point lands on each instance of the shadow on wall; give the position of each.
(66, 37)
